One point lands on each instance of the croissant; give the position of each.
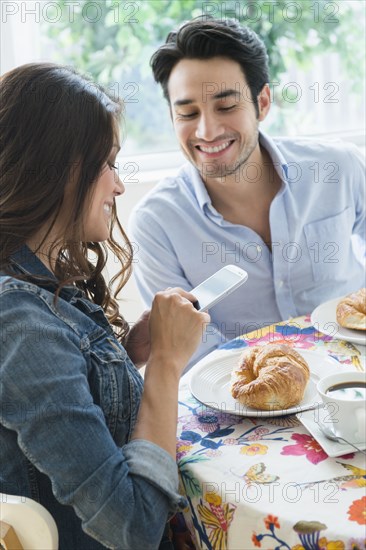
(270, 377)
(351, 310)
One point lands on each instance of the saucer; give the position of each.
(310, 420)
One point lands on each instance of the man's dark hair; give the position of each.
(207, 38)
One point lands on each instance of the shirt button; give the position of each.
(280, 284)
(259, 248)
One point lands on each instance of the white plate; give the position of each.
(324, 320)
(210, 383)
(310, 420)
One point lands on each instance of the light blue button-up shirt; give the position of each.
(315, 220)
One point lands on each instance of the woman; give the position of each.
(77, 431)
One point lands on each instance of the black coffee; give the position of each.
(349, 391)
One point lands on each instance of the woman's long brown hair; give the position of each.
(56, 125)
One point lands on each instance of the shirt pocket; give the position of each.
(329, 245)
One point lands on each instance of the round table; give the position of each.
(267, 483)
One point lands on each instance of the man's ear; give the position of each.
(264, 102)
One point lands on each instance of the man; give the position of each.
(284, 210)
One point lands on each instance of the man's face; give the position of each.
(214, 116)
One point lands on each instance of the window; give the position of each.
(315, 49)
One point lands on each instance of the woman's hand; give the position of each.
(137, 343)
(176, 327)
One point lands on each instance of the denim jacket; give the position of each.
(69, 401)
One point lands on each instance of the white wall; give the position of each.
(129, 299)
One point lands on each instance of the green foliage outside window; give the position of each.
(113, 40)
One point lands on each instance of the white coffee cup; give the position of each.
(345, 407)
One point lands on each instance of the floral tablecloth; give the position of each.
(266, 482)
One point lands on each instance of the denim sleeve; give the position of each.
(122, 495)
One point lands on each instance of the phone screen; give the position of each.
(214, 286)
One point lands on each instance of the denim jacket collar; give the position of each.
(25, 262)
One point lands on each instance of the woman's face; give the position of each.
(98, 214)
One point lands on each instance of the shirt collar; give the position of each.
(277, 157)
(193, 176)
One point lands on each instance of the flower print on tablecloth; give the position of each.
(308, 446)
(216, 518)
(209, 444)
(262, 433)
(289, 421)
(355, 480)
(293, 333)
(254, 449)
(356, 544)
(202, 426)
(308, 532)
(183, 448)
(203, 417)
(213, 520)
(193, 443)
(206, 420)
(305, 445)
(255, 474)
(257, 433)
(357, 511)
(309, 535)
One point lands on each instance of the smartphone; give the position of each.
(219, 285)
